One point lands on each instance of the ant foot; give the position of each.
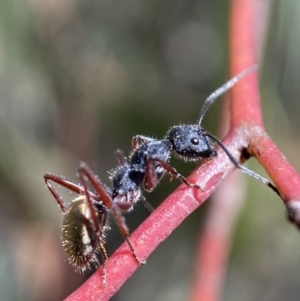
(196, 186)
(139, 261)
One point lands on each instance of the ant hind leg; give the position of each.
(63, 182)
(105, 258)
(120, 221)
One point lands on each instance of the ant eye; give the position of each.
(195, 141)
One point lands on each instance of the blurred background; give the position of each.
(78, 79)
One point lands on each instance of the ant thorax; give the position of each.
(190, 142)
(80, 239)
(156, 150)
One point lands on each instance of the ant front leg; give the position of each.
(150, 176)
(138, 140)
(85, 173)
(146, 204)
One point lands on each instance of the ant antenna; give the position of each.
(228, 85)
(241, 167)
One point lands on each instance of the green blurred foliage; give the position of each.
(78, 79)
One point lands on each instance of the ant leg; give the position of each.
(85, 172)
(105, 258)
(83, 180)
(120, 221)
(241, 167)
(63, 182)
(152, 177)
(138, 140)
(120, 157)
(147, 204)
(66, 184)
(173, 172)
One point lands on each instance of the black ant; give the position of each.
(84, 223)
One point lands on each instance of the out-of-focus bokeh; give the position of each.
(78, 79)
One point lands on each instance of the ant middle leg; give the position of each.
(146, 204)
(138, 140)
(122, 160)
(152, 177)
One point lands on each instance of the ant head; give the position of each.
(190, 142)
(80, 240)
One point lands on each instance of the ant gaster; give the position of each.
(84, 224)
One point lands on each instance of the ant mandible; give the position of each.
(84, 223)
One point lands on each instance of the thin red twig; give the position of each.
(248, 115)
(245, 96)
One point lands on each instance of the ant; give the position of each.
(85, 219)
